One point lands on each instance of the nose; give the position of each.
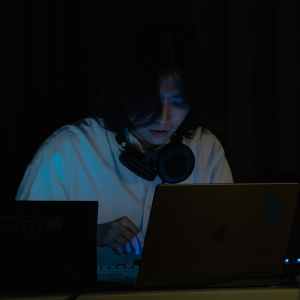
(165, 115)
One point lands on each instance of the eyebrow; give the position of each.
(178, 95)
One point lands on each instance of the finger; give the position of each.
(123, 242)
(141, 240)
(114, 246)
(131, 240)
(134, 229)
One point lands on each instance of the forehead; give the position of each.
(169, 83)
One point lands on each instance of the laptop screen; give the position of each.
(48, 245)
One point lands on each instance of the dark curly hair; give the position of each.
(150, 53)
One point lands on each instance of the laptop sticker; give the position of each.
(273, 206)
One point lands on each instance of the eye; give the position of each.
(178, 104)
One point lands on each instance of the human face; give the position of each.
(173, 114)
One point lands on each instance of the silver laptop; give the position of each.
(216, 235)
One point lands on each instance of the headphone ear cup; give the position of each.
(175, 162)
(139, 163)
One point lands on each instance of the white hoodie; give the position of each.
(80, 161)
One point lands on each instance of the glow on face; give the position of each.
(173, 114)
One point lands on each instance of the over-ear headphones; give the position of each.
(175, 162)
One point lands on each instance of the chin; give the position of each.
(158, 141)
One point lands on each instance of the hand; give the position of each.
(123, 232)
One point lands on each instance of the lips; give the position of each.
(159, 129)
(159, 133)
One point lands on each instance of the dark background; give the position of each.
(55, 55)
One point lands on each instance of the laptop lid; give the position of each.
(220, 234)
(47, 245)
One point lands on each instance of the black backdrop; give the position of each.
(56, 54)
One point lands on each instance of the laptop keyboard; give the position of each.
(120, 273)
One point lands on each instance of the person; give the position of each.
(158, 82)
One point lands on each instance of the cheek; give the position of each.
(180, 114)
(142, 133)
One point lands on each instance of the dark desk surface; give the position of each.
(255, 293)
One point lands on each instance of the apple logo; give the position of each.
(217, 235)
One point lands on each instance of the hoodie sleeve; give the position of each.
(43, 178)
